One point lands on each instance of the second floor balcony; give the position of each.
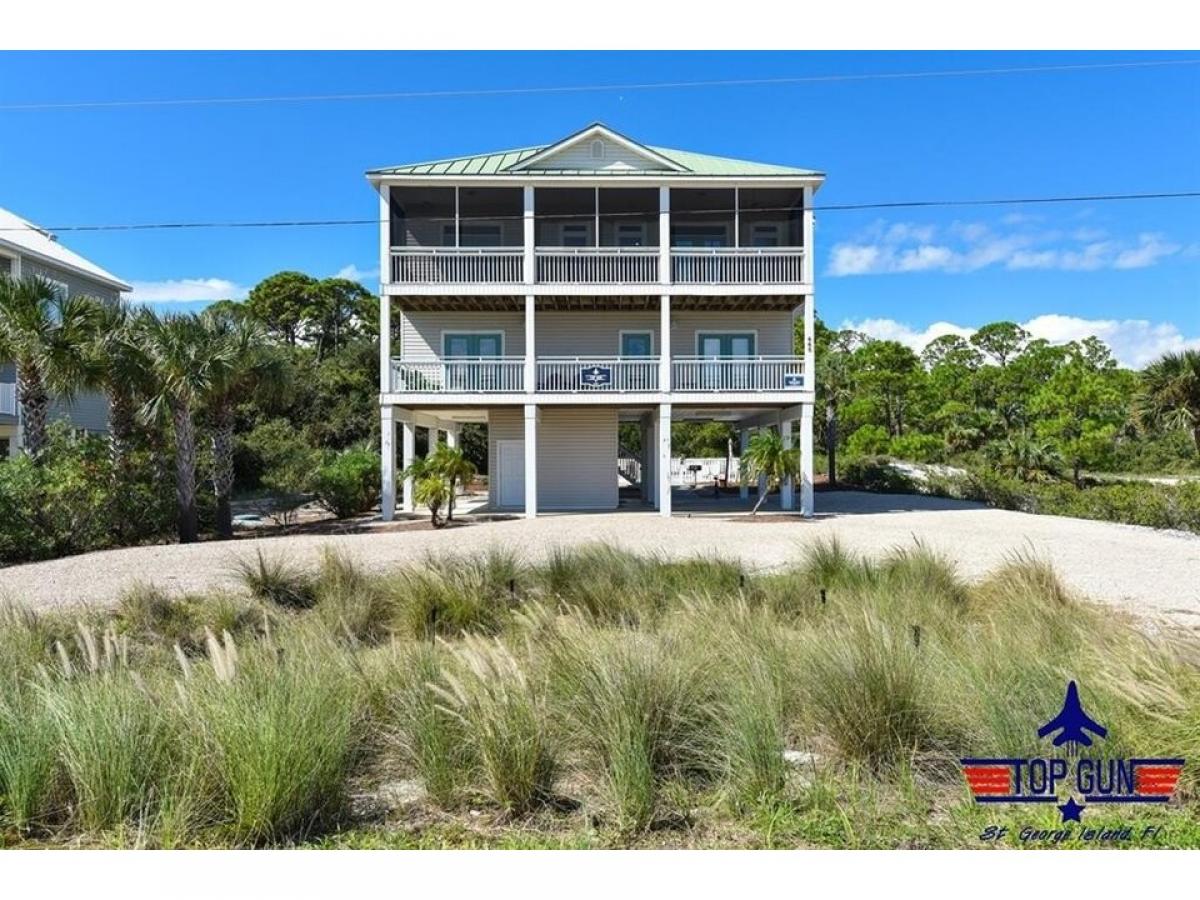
(441, 236)
(592, 375)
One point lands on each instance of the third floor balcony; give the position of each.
(441, 236)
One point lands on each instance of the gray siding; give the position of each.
(576, 459)
(77, 284)
(774, 329)
(586, 333)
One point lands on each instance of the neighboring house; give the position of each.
(26, 249)
(553, 292)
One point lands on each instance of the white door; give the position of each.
(512, 472)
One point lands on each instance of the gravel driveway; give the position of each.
(1148, 572)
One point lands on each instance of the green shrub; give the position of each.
(276, 455)
(868, 440)
(877, 474)
(928, 448)
(348, 484)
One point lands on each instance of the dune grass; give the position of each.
(610, 697)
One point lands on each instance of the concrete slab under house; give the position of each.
(557, 293)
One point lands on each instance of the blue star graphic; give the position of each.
(1071, 811)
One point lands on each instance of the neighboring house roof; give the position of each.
(540, 160)
(27, 239)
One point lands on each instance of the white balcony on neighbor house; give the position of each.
(8, 399)
(598, 375)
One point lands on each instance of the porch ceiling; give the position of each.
(747, 302)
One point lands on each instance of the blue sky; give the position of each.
(1129, 271)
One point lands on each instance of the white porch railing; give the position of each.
(753, 373)
(592, 374)
(458, 265)
(8, 399)
(597, 265)
(737, 265)
(466, 375)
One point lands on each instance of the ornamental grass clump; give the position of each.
(31, 778)
(452, 596)
(281, 721)
(276, 581)
(350, 602)
(505, 717)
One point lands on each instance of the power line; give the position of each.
(590, 88)
(838, 207)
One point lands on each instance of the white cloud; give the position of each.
(189, 290)
(1134, 342)
(887, 248)
(354, 273)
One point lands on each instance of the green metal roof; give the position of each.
(502, 161)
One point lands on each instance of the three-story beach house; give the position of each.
(555, 292)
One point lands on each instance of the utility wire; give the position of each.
(590, 88)
(838, 207)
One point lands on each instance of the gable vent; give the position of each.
(597, 149)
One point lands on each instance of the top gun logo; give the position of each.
(1093, 779)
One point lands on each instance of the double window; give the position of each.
(471, 374)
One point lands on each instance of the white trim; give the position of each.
(624, 331)
(593, 132)
(14, 269)
(700, 332)
(568, 289)
(479, 331)
(640, 179)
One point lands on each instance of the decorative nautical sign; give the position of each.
(793, 380)
(596, 376)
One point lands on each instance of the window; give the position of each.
(631, 234)
(637, 343)
(766, 234)
(700, 235)
(468, 344)
(60, 287)
(575, 234)
(733, 345)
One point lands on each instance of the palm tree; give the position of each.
(452, 465)
(1170, 393)
(117, 366)
(835, 387)
(1025, 458)
(252, 368)
(766, 457)
(185, 366)
(430, 488)
(43, 331)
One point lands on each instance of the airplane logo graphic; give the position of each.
(1072, 722)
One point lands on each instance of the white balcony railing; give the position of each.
(737, 265)
(754, 373)
(466, 375)
(597, 265)
(8, 399)
(596, 374)
(593, 374)
(457, 265)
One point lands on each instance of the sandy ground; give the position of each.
(1151, 573)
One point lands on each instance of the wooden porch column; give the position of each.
(786, 491)
(806, 461)
(408, 452)
(531, 430)
(664, 460)
(387, 456)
